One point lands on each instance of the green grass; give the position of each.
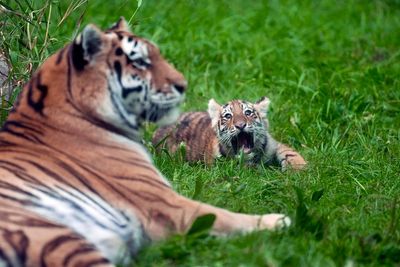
(332, 72)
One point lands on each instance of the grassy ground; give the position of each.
(331, 69)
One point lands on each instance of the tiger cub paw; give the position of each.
(274, 221)
(294, 162)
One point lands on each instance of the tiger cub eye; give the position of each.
(248, 112)
(227, 116)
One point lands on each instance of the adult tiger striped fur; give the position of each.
(226, 131)
(77, 188)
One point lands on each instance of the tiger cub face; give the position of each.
(132, 81)
(241, 126)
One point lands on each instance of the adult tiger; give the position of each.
(227, 130)
(76, 186)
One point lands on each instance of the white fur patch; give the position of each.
(135, 49)
(115, 233)
(169, 118)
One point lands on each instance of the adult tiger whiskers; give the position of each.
(77, 188)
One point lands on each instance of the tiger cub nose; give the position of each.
(240, 125)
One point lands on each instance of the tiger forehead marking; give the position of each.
(238, 113)
(135, 49)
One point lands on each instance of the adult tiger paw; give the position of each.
(274, 221)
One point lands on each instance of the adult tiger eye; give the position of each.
(248, 112)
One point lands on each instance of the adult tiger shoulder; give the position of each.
(228, 130)
(76, 186)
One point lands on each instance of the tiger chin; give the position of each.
(236, 129)
(77, 187)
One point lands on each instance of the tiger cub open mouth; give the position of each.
(244, 141)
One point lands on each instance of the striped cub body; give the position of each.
(195, 131)
(77, 188)
(238, 127)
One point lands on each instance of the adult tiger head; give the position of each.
(113, 79)
(240, 125)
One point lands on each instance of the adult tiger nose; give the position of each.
(181, 87)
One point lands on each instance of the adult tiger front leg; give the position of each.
(71, 157)
(226, 222)
(164, 212)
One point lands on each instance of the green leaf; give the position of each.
(198, 188)
(317, 195)
(202, 224)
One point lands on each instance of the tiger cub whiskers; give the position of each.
(236, 129)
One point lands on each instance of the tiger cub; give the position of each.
(236, 128)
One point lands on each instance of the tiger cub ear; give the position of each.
(213, 110)
(120, 25)
(262, 106)
(86, 45)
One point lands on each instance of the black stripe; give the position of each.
(14, 165)
(4, 143)
(129, 90)
(153, 197)
(77, 56)
(118, 70)
(52, 245)
(13, 199)
(145, 179)
(19, 124)
(24, 219)
(60, 55)
(48, 172)
(14, 188)
(85, 249)
(37, 105)
(30, 138)
(133, 161)
(20, 242)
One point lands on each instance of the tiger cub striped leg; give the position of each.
(289, 158)
(28, 240)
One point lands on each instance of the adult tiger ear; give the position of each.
(262, 106)
(213, 110)
(86, 45)
(120, 25)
